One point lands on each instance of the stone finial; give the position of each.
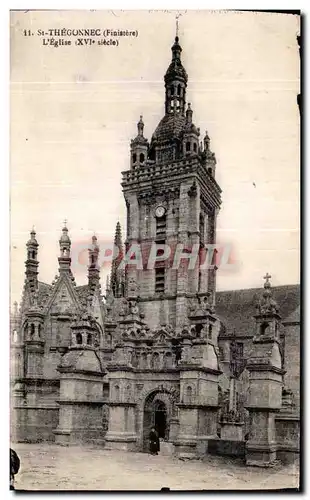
(140, 126)
(266, 304)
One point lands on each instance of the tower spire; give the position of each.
(117, 275)
(93, 268)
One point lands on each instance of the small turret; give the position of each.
(65, 247)
(190, 135)
(139, 147)
(32, 263)
(267, 313)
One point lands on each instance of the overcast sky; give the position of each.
(74, 110)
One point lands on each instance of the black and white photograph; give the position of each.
(155, 250)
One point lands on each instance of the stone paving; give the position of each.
(52, 467)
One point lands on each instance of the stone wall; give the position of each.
(292, 360)
(288, 437)
(33, 424)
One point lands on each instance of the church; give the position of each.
(211, 371)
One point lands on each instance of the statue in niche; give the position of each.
(123, 309)
(132, 286)
(133, 307)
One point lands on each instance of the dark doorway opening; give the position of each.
(160, 419)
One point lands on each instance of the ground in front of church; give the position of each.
(52, 467)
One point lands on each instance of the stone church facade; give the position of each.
(162, 347)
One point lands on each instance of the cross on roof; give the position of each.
(65, 222)
(267, 277)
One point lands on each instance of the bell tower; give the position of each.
(175, 82)
(172, 201)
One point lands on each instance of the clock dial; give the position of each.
(160, 211)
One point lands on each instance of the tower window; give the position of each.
(161, 226)
(210, 171)
(188, 146)
(89, 339)
(202, 228)
(195, 147)
(179, 89)
(134, 158)
(172, 90)
(79, 338)
(32, 330)
(141, 157)
(159, 280)
(210, 332)
(239, 350)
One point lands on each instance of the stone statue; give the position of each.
(133, 307)
(132, 286)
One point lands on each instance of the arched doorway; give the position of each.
(155, 415)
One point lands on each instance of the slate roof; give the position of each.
(44, 291)
(236, 308)
(294, 317)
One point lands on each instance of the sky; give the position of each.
(74, 110)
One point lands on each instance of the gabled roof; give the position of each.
(236, 308)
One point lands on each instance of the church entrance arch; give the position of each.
(155, 414)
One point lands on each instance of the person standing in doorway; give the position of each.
(154, 441)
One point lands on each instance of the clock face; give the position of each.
(160, 211)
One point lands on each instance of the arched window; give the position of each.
(155, 361)
(210, 332)
(128, 393)
(141, 157)
(202, 227)
(15, 336)
(264, 328)
(179, 90)
(116, 393)
(79, 339)
(39, 331)
(188, 146)
(168, 360)
(198, 330)
(188, 394)
(195, 147)
(134, 158)
(134, 359)
(210, 171)
(32, 330)
(143, 361)
(89, 339)
(172, 90)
